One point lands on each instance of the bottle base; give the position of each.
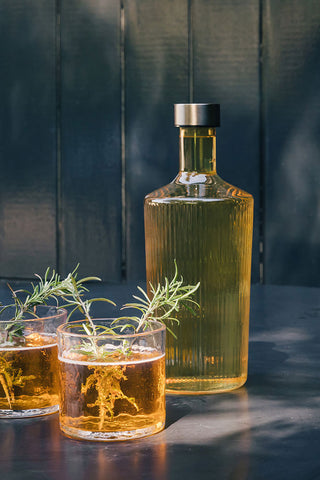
(203, 386)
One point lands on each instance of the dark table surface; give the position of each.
(268, 429)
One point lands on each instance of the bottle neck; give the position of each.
(198, 149)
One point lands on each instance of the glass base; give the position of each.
(203, 386)
(111, 436)
(32, 412)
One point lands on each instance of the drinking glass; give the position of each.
(28, 362)
(112, 386)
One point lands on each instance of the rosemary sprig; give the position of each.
(74, 299)
(164, 301)
(51, 286)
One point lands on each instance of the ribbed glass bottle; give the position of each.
(205, 224)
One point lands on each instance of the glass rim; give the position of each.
(60, 312)
(62, 330)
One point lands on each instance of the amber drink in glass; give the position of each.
(112, 387)
(28, 362)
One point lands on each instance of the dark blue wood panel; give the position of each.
(225, 52)
(156, 69)
(292, 124)
(221, 65)
(28, 137)
(90, 210)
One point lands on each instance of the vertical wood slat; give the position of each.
(156, 77)
(291, 66)
(90, 138)
(28, 137)
(226, 71)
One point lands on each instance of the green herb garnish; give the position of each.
(164, 301)
(69, 289)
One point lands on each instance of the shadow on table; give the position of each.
(178, 406)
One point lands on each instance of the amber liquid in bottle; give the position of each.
(205, 224)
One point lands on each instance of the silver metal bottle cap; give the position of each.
(197, 114)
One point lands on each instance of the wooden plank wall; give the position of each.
(87, 93)
(291, 81)
(27, 137)
(90, 122)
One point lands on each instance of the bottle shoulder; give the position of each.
(198, 187)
